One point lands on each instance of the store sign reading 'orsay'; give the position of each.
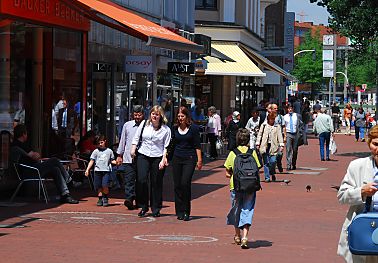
(51, 12)
(179, 67)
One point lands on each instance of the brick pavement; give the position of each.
(290, 224)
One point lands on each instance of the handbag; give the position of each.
(363, 232)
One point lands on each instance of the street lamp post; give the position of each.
(305, 50)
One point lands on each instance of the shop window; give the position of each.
(206, 4)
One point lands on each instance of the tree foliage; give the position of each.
(356, 19)
(308, 70)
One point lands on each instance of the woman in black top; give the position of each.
(186, 156)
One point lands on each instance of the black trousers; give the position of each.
(183, 169)
(129, 177)
(148, 171)
(213, 139)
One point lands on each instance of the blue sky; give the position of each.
(313, 12)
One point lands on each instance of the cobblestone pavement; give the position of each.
(290, 223)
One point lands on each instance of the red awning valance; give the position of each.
(126, 21)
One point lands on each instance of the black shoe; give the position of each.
(180, 217)
(280, 169)
(328, 159)
(274, 178)
(156, 214)
(129, 204)
(105, 201)
(67, 199)
(294, 167)
(99, 202)
(142, 213)
(322, 160)
(288, 168)
(186, 217)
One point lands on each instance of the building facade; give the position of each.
(236, 27)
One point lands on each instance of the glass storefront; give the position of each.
(40, 69)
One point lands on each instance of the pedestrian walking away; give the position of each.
(126, 164)
(242, 204)
(291, 125)
(150, 142)
(186, 157)
(24, 154)
(360, 124)
(324, 127)
(103, 158)
(359, 183)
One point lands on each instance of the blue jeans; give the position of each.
(269, 165)
(324, 137)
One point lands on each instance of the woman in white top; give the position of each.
(152, 139)
(253, 127)
(213, 129)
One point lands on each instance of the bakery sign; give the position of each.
(49, 12)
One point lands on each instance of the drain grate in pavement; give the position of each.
(96, 218)
(176, 238)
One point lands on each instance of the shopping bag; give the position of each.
(219, 144)
(332, 146)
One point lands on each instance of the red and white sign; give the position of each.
(364, 86)
(139, 64)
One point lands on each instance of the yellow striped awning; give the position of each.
(241, 66)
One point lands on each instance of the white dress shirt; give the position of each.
(128, 132)
(287, 122)
(154, 141)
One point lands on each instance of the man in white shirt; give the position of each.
(291, 125)
(124, 158)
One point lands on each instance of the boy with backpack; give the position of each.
(242, 167)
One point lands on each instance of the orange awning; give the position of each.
(133, 24)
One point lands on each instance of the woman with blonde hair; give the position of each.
(359, 183)
(150, 143)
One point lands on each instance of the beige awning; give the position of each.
(240, 66)
(266, 63)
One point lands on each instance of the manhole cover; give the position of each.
(90, 218)
(176, 238)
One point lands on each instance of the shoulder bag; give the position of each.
(140, 137)
(363, 232)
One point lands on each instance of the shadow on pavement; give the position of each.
(355, 154)
(260, 243)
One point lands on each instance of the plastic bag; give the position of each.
(219, 144)
(332, 146)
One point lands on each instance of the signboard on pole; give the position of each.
(289, 41)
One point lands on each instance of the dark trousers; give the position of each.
(291, 149)
(183, 169)
(53, 168)
(129, 175)
(148, 171)
(213, 140)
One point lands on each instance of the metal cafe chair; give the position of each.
(82, 166)
(30, 174)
